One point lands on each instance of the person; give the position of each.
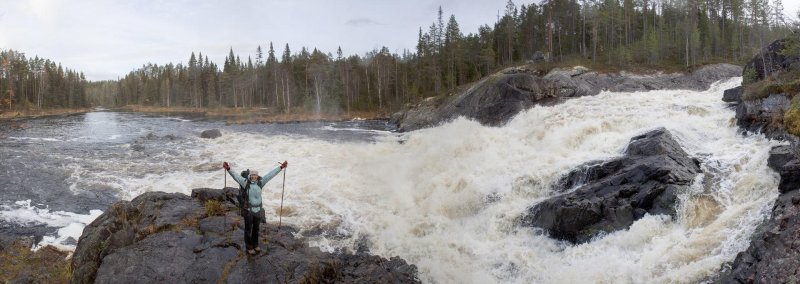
(252, 215)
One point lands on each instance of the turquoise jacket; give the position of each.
(254, 192)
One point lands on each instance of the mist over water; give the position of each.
(447, 198)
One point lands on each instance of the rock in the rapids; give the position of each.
(497, 98)
(169, 238)
(607, 196)
(210, 134)
(733, 95)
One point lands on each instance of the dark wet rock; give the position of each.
(497, 98)
(212, 133)
(11, 232)
(70, 242)
(168, 238)
(204, 194)
(216, 224)
(768, 61)
(153, 136)
(764, 115)
(137, 147)
(784, 160)
(166, 257)
(733, 95)
(603, 197)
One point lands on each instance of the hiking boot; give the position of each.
(258, 249)
(251, 251)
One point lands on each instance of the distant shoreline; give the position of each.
(229, 115)
(11, 115)
(254, 115)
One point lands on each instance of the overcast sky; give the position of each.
(107, 39)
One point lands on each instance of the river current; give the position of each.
(446, 199)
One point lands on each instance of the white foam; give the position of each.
(179, 119)
(70, 224)
(34, 139)
(331, 128)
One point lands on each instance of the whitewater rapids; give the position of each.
(447, 199)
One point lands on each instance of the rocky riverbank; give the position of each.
(173, 238)
(765, 103)
(496, 99)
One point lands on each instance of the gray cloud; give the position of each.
(358, 22)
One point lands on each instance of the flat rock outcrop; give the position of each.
(173, 238)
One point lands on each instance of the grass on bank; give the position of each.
(30, 113)
(786, 82)
(46, 265)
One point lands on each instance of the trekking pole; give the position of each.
(280, 213)
(225, 216)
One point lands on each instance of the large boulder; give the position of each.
(603, 197)
(491, 101)
(769, 60)
(499, 97)
(170, 238)
(210, 134)
(733, 95)
(764, 115)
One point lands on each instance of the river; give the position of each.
(446, 199)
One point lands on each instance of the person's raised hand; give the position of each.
(226, 166)
(284, 165)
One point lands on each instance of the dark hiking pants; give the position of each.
(251, 224)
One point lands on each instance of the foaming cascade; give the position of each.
(448, 198)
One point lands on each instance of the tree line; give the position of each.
(621, 33)
(39, 83)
